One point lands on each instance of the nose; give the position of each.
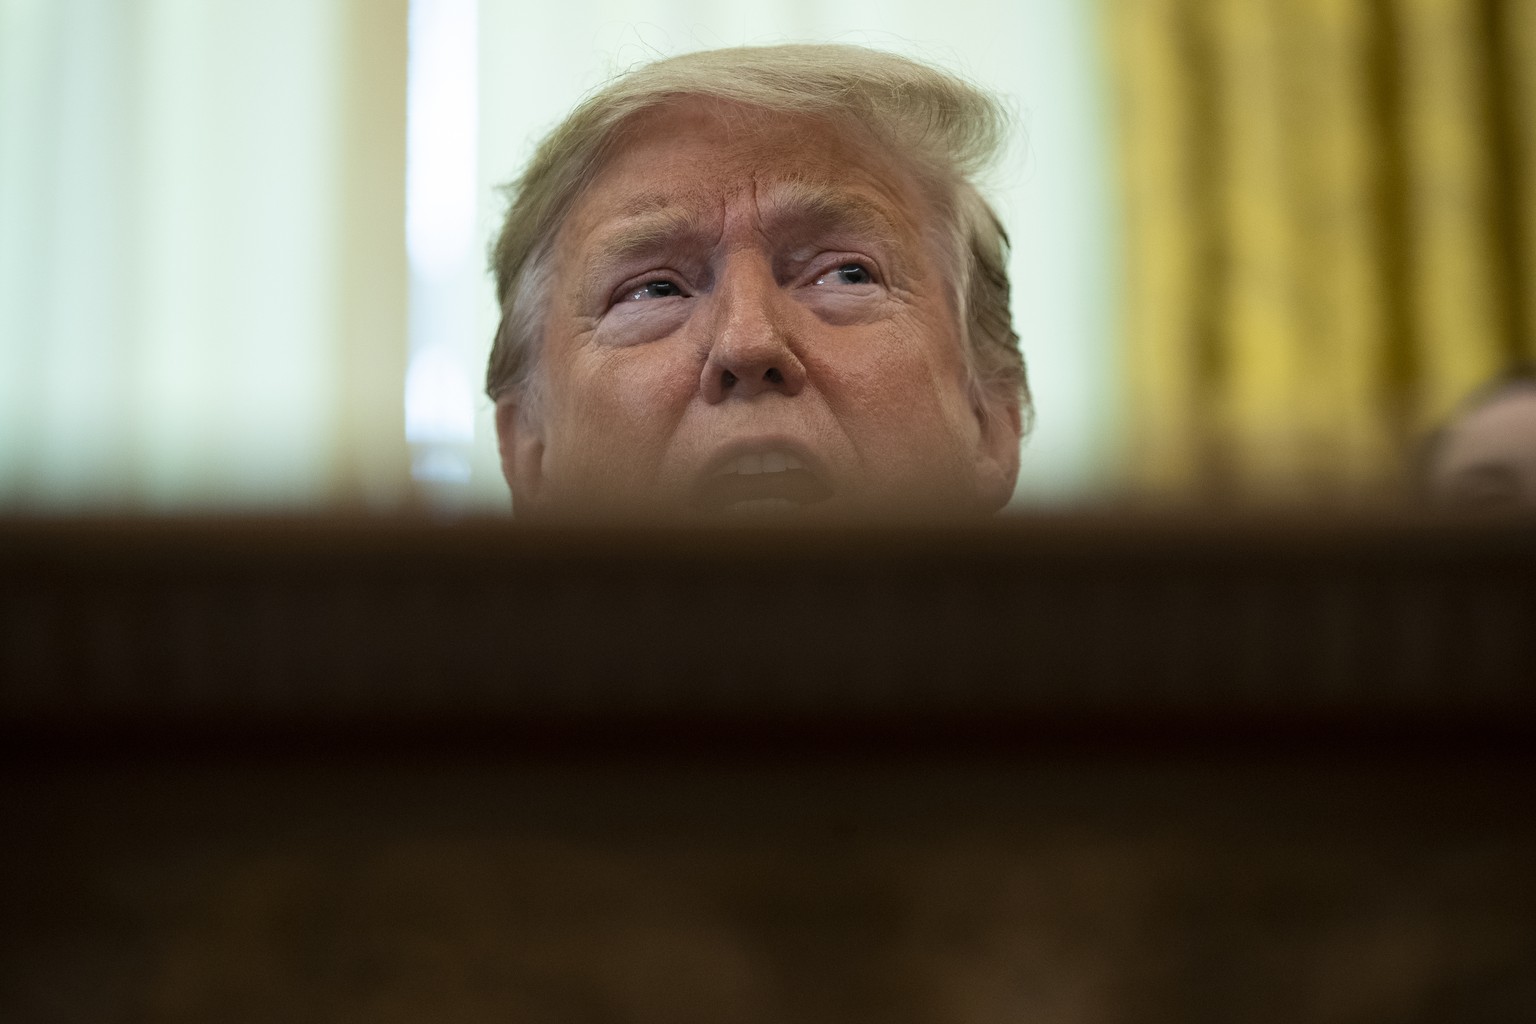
(751, 351)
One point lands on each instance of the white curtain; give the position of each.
(177, 274)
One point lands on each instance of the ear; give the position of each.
(520, 440)
(1001, 428)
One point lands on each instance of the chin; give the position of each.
(768, 487)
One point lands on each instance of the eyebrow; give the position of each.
(801, 204)
(642, 233)
(651, 221)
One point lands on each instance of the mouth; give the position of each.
(761, 481)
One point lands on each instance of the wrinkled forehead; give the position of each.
(696, 155)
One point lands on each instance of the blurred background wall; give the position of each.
(1260, 245)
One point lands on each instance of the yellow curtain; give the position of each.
(1330, 232)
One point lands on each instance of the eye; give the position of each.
(848, 273)
(660, 288)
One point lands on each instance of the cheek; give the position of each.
(901, 384)
(631, 400)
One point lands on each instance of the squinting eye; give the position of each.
(848, 273)
(654, 290)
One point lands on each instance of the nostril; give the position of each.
(727, 378)
(773, 376)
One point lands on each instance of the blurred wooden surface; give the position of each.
(1057, 771)
(376, 622)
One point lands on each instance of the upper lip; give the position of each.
(775, 460)
(724, 460)
(755, 460)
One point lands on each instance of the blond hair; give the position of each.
(945, 130)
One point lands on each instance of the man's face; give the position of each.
(1488, 457)
(749, 314)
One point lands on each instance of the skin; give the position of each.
(1487, 458)
(735, 282)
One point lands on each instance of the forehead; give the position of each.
(697, 156)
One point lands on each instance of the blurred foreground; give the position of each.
(1072, 771)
